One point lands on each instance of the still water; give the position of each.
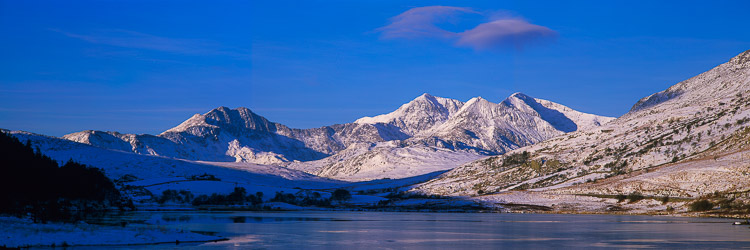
(389, 230)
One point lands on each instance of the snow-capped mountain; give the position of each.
(494, 128)
(421, 114)
(689, 141)
(452, 136)
(240, 135)
(662, 131)
(431, 127)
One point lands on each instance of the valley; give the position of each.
(675, 147)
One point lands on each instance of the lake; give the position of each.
(351, 230)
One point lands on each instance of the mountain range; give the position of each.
(427, 134)
(686, 143)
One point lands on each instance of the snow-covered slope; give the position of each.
(430, 127)
(670, 126)
(494, 128)
(422, 113)
(240, 135)
(139, 174)
(452, 136)
(385, 160)
(559, 116)
(157, 172)
(724, 168)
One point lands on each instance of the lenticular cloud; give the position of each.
(421, 22)
(514, 33)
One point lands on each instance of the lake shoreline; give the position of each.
(453, 210)
(188, 237)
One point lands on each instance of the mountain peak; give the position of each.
(518, 99)
(477, 99)
(519, 95)
(424, 98)
(477, 105)
(226, 110)
(227, 118)
(422, 113)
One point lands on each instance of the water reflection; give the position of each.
(176, 218)
(260, 219)
(239, 219)
(312, 230)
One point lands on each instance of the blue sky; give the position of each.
(145, 66)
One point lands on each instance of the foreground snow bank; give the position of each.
(17, 232)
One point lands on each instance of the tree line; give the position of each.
(31, 182)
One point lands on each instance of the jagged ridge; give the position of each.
(477, 126)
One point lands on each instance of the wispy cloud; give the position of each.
(514, 33)
(137, 40)
(421, 22)
(498, 32)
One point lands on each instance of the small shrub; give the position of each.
(284, 197)
(341, 195)
(665, 199)
(255, 199)
(701, 205)
(515, 159)
(743, 121)
(204, 177)
(635, 196)
(725, 203)
(620, 198)
(175, 196)
(238, 196)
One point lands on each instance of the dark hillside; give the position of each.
(31, 182)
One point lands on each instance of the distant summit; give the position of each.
(517, 121)
(418, 115)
